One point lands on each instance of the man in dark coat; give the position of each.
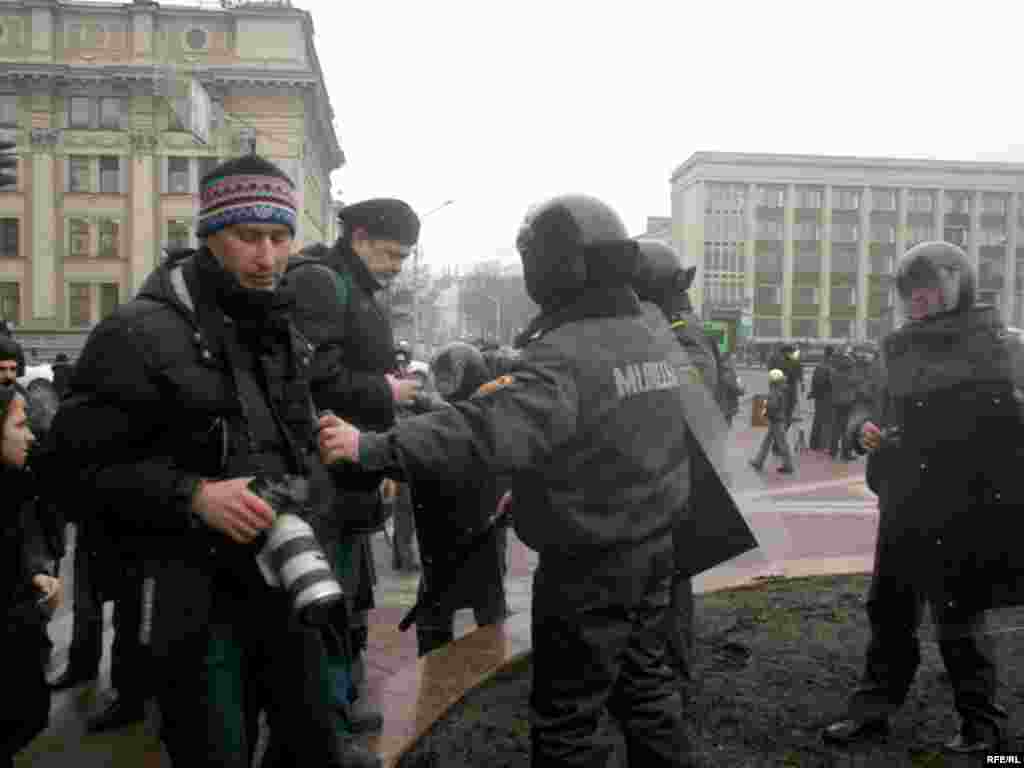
(354, 375)
(184, 396)
(821, 394)
(844, 393)
(592, 492)
(942, 459)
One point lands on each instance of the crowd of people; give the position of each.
(233, 436)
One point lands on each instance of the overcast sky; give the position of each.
(498, 105)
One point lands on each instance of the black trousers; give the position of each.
(895, 609)
(25, 708)
(253, 654)
(129, 662)
(599, 654)
(477, 583)
(838, 441)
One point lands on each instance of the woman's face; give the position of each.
(17, 437)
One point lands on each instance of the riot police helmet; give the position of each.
(459, 370)
(659, 272)
(934, 277)
(570, 241)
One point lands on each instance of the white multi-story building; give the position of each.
(803, 247)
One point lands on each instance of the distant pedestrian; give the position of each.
(775, 438)
(821, 394)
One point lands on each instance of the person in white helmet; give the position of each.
(777, 411)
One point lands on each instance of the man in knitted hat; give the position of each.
(356, 375)
(185, 395)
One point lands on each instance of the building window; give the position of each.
(808, 197)
(110, 236)
(8, 110)
(8, 238)
(881, 232)
(808, 261)
(806, 294)
(845, 232)
(991, 236)
(773, 197)
(10, 302)
(769, 327)
(78, 238)
(806, 230)
(993, 204)
(846, 199)
(110, 175)
(177, 235)
(769, 230)
(844, 261)
(805, 327)
(918, 233)
(842, 329)
(881, 263)
(883, 199)
(769, 294)
(769, 262)
(79, 301)
(109, 299)
(178, 175)
(955, 235)
(843, 296)
(920, 202)
(79, 109)
(79, 174)
(958, 202)
(112, 114)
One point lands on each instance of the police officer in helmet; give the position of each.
(590, 491)
(941, 456)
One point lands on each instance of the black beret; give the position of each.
(383, 218)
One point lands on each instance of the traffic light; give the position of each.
(8, 160)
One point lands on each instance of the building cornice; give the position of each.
(70, 73)
(752, 161)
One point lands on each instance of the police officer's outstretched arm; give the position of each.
(513, 422)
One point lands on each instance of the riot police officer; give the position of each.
(941, 459)
(591, 493)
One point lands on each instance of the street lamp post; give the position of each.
(416, 257)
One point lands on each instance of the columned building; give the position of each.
(112, 148)
(799, 247)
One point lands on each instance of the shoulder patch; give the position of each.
(493, 386)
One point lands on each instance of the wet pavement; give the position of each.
(821, 519)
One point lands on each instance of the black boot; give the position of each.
(844, 733)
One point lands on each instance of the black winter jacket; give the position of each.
(950, 488)
(155, 408)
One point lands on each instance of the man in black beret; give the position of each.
(356, 375)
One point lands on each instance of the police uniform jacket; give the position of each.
(590, 426)
(163, 396)
(951, 490)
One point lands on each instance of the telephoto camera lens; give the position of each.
(292, 556)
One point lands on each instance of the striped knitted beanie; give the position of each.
(246, 190)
